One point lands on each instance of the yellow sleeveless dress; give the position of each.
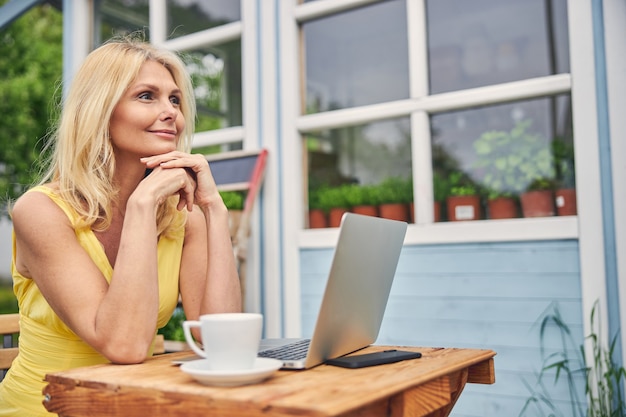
(46, 344)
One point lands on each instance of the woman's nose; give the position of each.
(168, 111)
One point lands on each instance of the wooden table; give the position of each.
(428, 386)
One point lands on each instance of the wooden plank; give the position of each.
(482, 373)
(9, 323)
(7, 356)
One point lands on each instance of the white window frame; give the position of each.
(586, 227)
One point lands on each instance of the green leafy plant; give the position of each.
(232, 199)
(461, 184)
(603, 378)
(173, 330)
(441, 187)
(512, 161)
(361, 195)
(332, 197)
(395, 190)
(8, 302)
(540, 184)
(314, 199)
(563, 163)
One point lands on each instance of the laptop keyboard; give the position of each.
(291, 351)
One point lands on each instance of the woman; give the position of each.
(101, 250)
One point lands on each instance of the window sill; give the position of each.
(544, 228)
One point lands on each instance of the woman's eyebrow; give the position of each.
(148, 86)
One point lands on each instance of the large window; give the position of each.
(194, 29)
(365, 64)
(120, 17)
(485, 42)
(491, 144)
(505, 156)
(189, 16)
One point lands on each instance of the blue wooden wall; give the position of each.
(490, 296)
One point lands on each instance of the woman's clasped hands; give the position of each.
(187, 175)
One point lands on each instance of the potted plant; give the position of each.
(333, 201)
(233, 200)
(463, 201)
(511, 164)
(538, 199)
(318, 218)
(441, 190)
(565, 186)
(395, 195)
(363, 199)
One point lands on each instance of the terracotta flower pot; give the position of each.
(395, 211)
(317, 219)
(565, 200)
(537, 203)
(437, 211)
(366, 210)
(335, 215)
(502, 208)
(463, 207)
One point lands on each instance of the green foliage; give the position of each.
(232, 199)
(361, 195)
(441, 187)
(314, 199)
(604, 379)
(461, 184)
(564, 163)
(332, 197)
(513, 160)
(31, 67)
(173, 330)
(8, 302)
(396, 190)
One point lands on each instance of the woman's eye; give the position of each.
(145, 96)
(175, 100)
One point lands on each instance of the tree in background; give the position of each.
(31, 67)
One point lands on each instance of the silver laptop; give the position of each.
(354, 302)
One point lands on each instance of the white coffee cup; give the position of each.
(230, 340)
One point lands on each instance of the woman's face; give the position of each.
(147, 120)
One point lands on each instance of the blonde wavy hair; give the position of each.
(82, 162)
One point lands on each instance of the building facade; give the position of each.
(448, 95)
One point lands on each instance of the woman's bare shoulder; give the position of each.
(35, 207)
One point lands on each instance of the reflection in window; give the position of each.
(120, 17)
(342, 162)
(504, 151)
(484, 42)
(356, 58)
(216, 76)
(189, 16)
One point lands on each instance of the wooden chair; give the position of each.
(9, 326)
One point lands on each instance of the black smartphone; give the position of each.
(371, 359)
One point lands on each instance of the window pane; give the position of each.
(120, 17)
(484, 42)
(189, 16)
(504, 150)
(375, 155)
(356, 58)
(216, 74)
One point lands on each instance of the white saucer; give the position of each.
(199, 370)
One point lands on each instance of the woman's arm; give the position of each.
(209, 281)
(117, 319)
